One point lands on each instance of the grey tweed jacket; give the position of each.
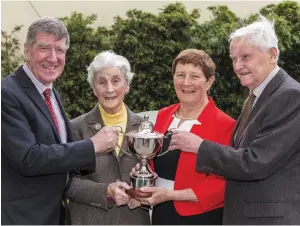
(87, 194)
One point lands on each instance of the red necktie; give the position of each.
(49, 105)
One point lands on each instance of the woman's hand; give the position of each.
(159, 195)
(133, 203)
(116, 191)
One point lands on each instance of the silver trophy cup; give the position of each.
(144, 144)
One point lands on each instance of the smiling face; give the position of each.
(190, 84)
(46, 57)
(251, 64)
(110, 86)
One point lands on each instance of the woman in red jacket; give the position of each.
(182, 195)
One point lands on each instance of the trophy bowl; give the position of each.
(144, 145)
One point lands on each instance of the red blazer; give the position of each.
(215, 126)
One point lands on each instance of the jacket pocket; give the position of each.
(265, 209)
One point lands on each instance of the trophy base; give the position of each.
(135, 193)
(141, 180)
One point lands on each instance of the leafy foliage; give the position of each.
(212, 37)
(10, 48)
(151, 42)
(287, 25)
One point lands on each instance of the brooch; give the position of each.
(97, 126)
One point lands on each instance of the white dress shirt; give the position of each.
(41, 88)
(259, 89)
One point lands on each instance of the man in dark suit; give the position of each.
(262, 168)
(37, 151)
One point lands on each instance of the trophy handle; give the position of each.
(126, 152)
(167, 136)
(161, 154)
(121, 131)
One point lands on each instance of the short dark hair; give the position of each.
(197, 58)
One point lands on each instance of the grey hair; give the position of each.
(50, 25)
(260, 33)
(109, 59)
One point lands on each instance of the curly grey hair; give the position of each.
(50, 25)
(109, 59)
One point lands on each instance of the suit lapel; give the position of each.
(233, 142)
(95, 120)
(263, 98)
(35, 96)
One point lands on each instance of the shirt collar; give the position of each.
(259, 89)
(40, 86)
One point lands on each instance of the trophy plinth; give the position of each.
(139, 181)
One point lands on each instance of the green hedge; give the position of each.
(150, 42)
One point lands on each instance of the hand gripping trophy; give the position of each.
(145, 144)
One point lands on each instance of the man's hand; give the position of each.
(185, 141)
(106, 139)
(116, 191)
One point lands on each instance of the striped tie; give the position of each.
(47, 93)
